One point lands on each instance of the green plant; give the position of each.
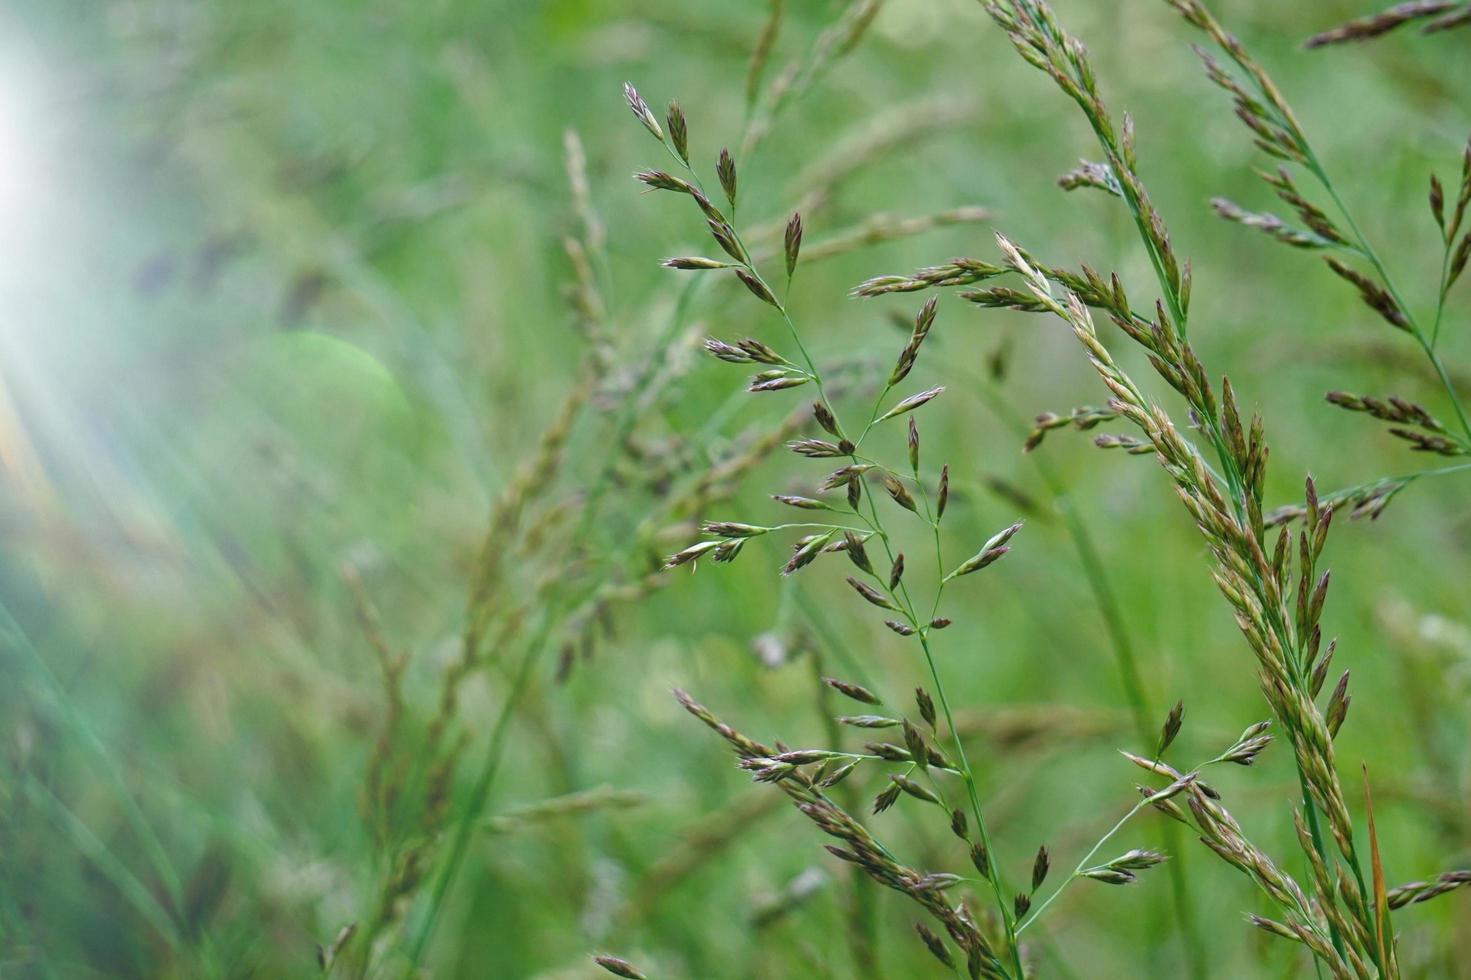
(1274, 586)
(1346, 923)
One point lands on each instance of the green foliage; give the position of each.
(289, 310)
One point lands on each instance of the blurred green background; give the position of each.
(283, 292)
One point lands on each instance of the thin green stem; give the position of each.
(1210, 422)
(922, 630)
(1130, 678)
(968, 777)
(1427, 344)
(1442, 291)
(1078, 871)
(876, 524)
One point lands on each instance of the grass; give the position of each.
(341, 450)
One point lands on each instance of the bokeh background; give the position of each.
(286, 305)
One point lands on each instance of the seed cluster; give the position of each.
(1265, 562)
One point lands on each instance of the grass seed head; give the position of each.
(641, 111)
(1377, 25)
(792, 242)
(935, 945)
(887, 798)
(911, 403)
(615, 966)
(871, 594)
(1171, 728)
(914, 789)
(900, 493)
(693, 263)
(857, 554)
(725, 169)
(926, 705)
(825, 419)
(801, 503)
(678, 132)
(856, 692)
(980, 859)
(757, 287)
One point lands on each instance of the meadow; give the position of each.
(456, 502)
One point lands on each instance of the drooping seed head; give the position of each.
(615, 966)
(731, 529)
(845, 476)
(801, 503)
(757, 288)
(1377, 24)
(759, 352)
(816, 448)
(839, 774)
(856, 552)
(868, 721)
(807, 552)
(691, 263)
(726, 352)
(935, 945)
(1109, 876)
(900, 493)
(727, 550)
(776, 381)
(1138, 860)
(887, 798)
(660, 181)
(690, 554)
(887, 751)
(856, 692)
(725, 237)
(871, 594)
(937, 882)
(914, 789)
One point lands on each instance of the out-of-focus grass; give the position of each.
(282, 292)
